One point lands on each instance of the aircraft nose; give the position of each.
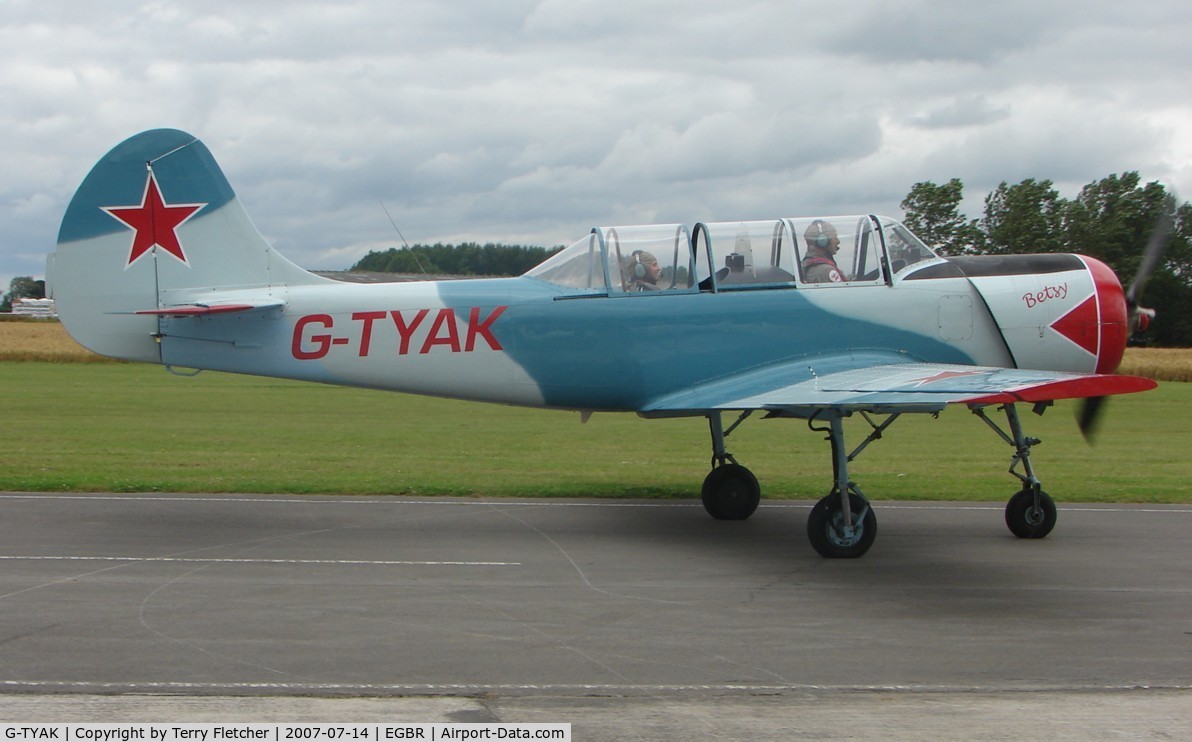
(1113, 316)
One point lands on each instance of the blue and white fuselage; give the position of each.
(157, 261)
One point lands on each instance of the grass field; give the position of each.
(40, 340)
(137, 428)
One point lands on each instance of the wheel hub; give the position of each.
(841, 535)
(1034, 515)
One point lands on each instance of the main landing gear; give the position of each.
(842, 525)
(730, 491)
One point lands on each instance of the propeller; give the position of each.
(1089, 417)
(1138, 316)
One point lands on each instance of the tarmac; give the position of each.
(628, 619)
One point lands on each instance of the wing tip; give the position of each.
(1102, 385)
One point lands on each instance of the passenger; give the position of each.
(819, 262)
(642, 272)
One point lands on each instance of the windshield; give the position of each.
(577, 266)
(903, 247)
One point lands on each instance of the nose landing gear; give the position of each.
(1031, 512)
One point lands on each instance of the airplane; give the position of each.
(157, 261)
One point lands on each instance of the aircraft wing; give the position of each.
(874, 384)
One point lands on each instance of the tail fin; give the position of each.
(155, 224)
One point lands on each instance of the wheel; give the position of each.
(825, 527)
(1025, 520)
(731, 492)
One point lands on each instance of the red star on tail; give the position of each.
(154, 222)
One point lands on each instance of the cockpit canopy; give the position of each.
(726, 256)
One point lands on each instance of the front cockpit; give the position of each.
(811, 252)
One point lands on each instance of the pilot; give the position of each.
(642, 272)
(819, 262)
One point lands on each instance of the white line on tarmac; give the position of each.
(566, 688)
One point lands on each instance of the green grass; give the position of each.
(137, 428)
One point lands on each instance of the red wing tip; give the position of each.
(1079, 388)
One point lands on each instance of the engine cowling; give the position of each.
(1060, 312)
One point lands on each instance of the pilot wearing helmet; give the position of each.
(642, 272)
(819, 262)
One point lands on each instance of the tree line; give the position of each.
(1111, 219)
(467, 259)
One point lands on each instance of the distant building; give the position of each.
(34, 308)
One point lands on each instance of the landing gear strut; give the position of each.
(1031, 512)
(842, 525)
(730, 491)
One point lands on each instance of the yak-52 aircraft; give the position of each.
(811, 318)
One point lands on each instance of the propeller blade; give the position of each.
(1089, 419)
(1153, 253)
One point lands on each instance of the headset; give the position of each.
(823, 239)
(639, 270)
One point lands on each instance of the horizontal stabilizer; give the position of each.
(198, 310)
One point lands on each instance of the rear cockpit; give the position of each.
(730, 256)
(635, 259)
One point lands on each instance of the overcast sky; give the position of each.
(530, 122)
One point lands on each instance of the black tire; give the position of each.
(825, 527)
(731, 492)
(1024, 520)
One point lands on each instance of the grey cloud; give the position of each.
(533, 121)
(969, 110)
